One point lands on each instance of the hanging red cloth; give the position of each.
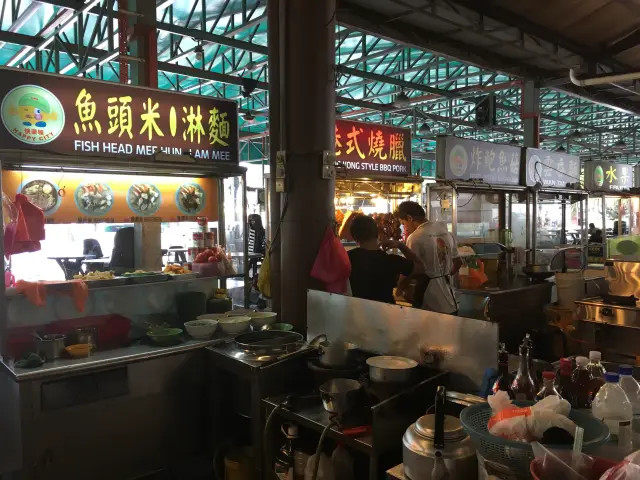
(332, 266)
(29, 227)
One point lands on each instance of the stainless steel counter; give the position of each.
(518, 284)
(106, 358)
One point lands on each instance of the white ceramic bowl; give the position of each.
(211, 316)
(202, 328)
(260, 319)
(234, 325)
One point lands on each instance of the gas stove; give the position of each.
(622, 311)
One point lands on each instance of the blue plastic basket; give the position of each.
(517, 456)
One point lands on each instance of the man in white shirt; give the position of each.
(437, 250)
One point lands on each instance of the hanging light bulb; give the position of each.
(401, 101)
(514, 142)
(424, 129)
(620, 145)
(249, 117)
(576, 134)
(561, 149)
(199, 51)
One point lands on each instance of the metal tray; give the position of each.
(112, 282)
(183, 276)
(160, 277)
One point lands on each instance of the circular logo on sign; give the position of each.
(458, 161)
(535, 168)
(32, 114)
(598, 176)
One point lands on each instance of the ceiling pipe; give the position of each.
(585, 82)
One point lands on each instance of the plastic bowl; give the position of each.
(234, 325)
(201, 329)
(260, 319)
(164, 336)
(79, 350)
(212, 316)
(284, 327)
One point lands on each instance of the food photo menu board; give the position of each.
(104, 198)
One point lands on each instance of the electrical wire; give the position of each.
(265, 435)
(282, 214)
(316, 466)
(472, 195)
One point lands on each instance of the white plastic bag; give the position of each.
(325, 471)
(529, 423)
(629, 469)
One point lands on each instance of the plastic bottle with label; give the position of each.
(613, 407)
(632, 388)
(597, 371)
(582, 384)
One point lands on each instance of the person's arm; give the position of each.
(407, 252)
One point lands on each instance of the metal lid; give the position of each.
(425, 426)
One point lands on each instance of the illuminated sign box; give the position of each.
(603, 176)
(70, 115)
(371, 149)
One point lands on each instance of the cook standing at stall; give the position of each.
(374, 273)
(437, 250)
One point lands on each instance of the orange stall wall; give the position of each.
(114, 198)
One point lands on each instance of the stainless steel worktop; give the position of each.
(106, 358)
(516, 285)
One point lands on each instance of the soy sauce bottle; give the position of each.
(505, 379)
(523, 386)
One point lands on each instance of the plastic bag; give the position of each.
(527, 424)
(629, 469)
(264, 275)
(332, 266)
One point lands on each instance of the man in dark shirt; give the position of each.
(374, 273)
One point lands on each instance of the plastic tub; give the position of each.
(570, 288)
(599, 467)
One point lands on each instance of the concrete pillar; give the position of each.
(273, 32)
(307, 107)
(530, 113)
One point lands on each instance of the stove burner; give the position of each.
(629, 301)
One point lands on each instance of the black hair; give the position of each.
(412, 209)
(364, 228)
(592, 225)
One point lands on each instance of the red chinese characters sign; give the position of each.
(371, 149)
(72, 115)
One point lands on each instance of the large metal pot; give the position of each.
(335, 354)
(269, 342)
(340, 394)
(437, 447)
(50, 346)
(388, 369)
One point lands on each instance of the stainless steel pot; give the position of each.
(437, 447)
(388, 369)
(269, 342)
(50, 346)
(340, 394)
(335, 354)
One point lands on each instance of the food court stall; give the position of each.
(480, 196)
(373, 170)
(86, 359)
(614, 209)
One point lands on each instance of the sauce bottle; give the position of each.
(582, 384)
(504, 380)
(548, 387)
(523, 386)
(597, 371)
(564, 384)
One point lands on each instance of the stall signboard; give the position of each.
(551, 169)
(462, 159)
(67, 197)
(604, 176)
(372, 149)
(76, 116)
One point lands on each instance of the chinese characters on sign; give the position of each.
(373, 149)
(72, 115)
(551, 169)
(602, 176)
(461, 159)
